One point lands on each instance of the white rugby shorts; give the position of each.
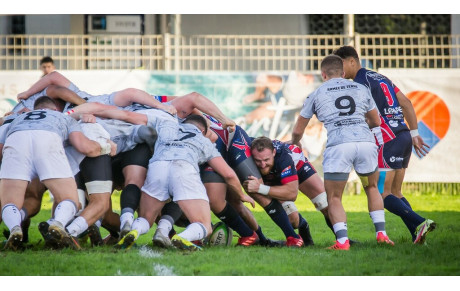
(177, 179)
(31, 153)
(342, 157)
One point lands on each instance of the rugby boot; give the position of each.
(383, 239)
(110, 240)
(58, 236)
(95, 236)
(127, 241)
(338, 246)
(126, 228)
(14, 241)
(160, 240)
(423, 229)
(248, 240)
(183, 244)
(294, 242)
(272, 243)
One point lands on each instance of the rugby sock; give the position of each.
(398, 207)
(194, 231)
(65, 211)
(98, 223)
(173, 210)
(165, 225)
(261, 235)
(141, 225)
(130, 197)
(23, 213)
(341, 232)
(329, 223)
(11, 216)
(276, 212)
(378, 218)
(304, 231)
(230, 217)
(406, 202)
(126, 217)
(78, 226)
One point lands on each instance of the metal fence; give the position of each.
(224, 52)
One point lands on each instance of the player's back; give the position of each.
(44, 119)
(384, 94)
(189, 145)
(341, 105)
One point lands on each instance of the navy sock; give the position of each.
(406, 202)
(261, 235)
(304, 231)
(279, 216)
(130, 197)
(230, 217)
(398, 207)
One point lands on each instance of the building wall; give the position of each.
(244, 24)
(48, 24)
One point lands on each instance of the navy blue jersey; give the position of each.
(384, 93)
(284, 167)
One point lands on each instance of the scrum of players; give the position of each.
(177, 158)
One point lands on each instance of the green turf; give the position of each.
(441, 255)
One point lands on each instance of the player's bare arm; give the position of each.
(220, 166)
(420, 147)
(286, 192)
(298, 130)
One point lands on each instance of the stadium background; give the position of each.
(221, 56)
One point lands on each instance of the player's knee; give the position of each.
(320, 201)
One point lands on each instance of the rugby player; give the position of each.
(173, 173)
(34, 147)
(396, 139)
(344, 107)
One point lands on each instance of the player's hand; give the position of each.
(168, 108)
(113, 150)
(87, 118)
(23, 96)
(247, 198)
(229, 124)
(8, 113)
(297, 144)
(420, 147)
(251, 185)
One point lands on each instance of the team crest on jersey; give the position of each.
(286, 172)
(243, 146)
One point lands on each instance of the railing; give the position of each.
(223, 52)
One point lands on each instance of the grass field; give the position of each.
(440, 256)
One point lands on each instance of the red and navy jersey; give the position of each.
(284, 168)
(384, 93)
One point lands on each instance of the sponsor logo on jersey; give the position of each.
(286, 172)
(396, 159)
(391, 110)
(393, 123)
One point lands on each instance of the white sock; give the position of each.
(81, 199)
(141, 225)
(378, 218)
(127, 216)
(98, 223)
(164, 227)
(341, 231)
(195, 231)
(65, 211)
(77, 226)
(11, 216)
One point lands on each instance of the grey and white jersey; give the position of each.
(341, 105)
(7, 120)
(29, 102)
(45, 119)
(122, 133)
(189, 145)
